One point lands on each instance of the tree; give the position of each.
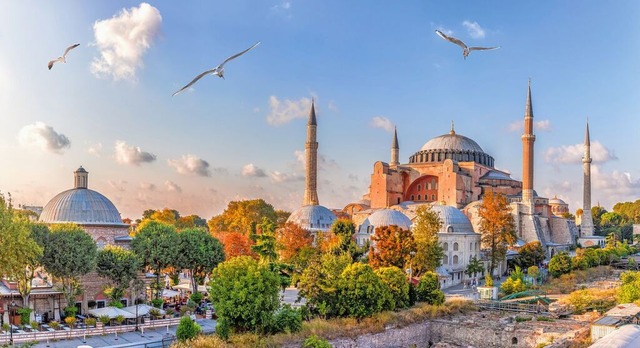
(596, 216)
(534, 273)
(530, 254)
(156, 246)
(392, 246)
(474, 267)
(497, 227)
(319, 283)
(32, 258)
(291, 239)
(265, 241)
(119, 266)
(560, 264)
(361, 292)
(283, 216)
(567, 215)
(629, 290)
(429, 253)
(428, 289)
(187, 329)
(198, 252)
(244, 293)
(630, 210)
(69, 254)
(344, 230)
(190, 221)
(235, 244)
(240, 216)
(397, 285)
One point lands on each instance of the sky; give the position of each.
(370, 65)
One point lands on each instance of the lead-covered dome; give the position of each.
(451, 146)
(81, 205)
(453, 220)
(313, 218)
(385, 217)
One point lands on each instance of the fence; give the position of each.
(512, 306)
(42, 336)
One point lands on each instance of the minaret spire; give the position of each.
(311, 152)
(395, 149)
(453, 130)
(528, 138)
(586, 226)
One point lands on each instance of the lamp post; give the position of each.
(411, 254)
(11, 314)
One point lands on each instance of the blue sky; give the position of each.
(368, 64)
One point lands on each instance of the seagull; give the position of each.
(64, 56)
(465, 50)
(219, 70)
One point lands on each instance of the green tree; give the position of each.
(69, 254)
(119, 266)
(630, 211)
(187, 329)
(425, 230)
(596, 216)
(392, 246)
(560, 264)
(198, 252)
(344, 231)
(191, 221)
(241, 216)
(428, 289)
(497, 227)
(245, 294)
(265, 241)
(319, 283)
(534, 273)
(474, 267)
(361, 292)
(629, 290)
(156, 246)
(397, 285)
(530, 254)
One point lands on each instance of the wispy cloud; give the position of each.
(283, 9)
(147, 186)
(572, 154)
(279, 177)
(474, 29)
(43, 136)
(517, 126)
(118, 185)
(172, 186)
(123, 39)
(323, 161)
(382, 122)
(95, 149)
(191, 165)
(287, 110)
(252, 171)
(617, 186)
(128, 154)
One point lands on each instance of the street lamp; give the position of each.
(11, 314)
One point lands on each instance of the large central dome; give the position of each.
(451, 146)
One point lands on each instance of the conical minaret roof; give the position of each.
(312, 114)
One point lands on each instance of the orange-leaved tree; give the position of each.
(235, 244)
(496, 226)
(391, 246)
(291, 239)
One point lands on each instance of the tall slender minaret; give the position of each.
(311, 152)
(528, 138)
(395, 149)
(586, 226)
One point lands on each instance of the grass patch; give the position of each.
(521, 319)
(544, 319)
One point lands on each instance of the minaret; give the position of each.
(395, 149)
(528, 138)
(80, 178)
(586, 226)
(311, 152)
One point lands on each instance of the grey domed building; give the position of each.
(380, 218)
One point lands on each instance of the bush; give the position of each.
(287, 319)
(521, 319)
(187, 329)
(196, 297)
(54, 325)
(70, 321)
(429, 289)
(157, 302)
(70, 311)
(396, 282)
(223, 328)
(511, 286)
(360, 292)
(560, 264)
(544, 319)
(315, 342)
(90, 321)
(116, 304)
(25, 313)
(104, 319)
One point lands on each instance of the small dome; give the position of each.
(313, 218)
(385, 217)
(81, 206)
(557, 201)
(453, 220)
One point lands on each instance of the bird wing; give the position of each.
(483, 48)
(69, 49)
(195, 80)
(238, 54)
(451, 39)
(50, 65)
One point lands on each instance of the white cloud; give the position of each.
(123, 39)
(128, 154)
(43, 136)
(617, 186)
(253, 171)
(382, 122)
(283, 9)
(285, 177)
(572, 154)
(474, 29)
(172, 186)
(287, 110)
(117, 185)
(190, 164)
(147, 186)
(518, 126)
(95, 149)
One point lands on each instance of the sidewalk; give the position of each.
(127, 339)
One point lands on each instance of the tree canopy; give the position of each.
(291, 239)
(425, 229)
(497, 227)
(156, 246)
(392, 246)
(242, 216)
(530, 254)
(199, 252)
(119, 266)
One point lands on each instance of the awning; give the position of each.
(142, 310)
(112, 312)
(167, 293)
(187, 287)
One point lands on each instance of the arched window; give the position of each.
(445, 260)
(514, 340)
(445, 246)
(418, 197)
(455, 259)
(419, 188)
(398, 200)
(470, 246)
(455, 246)
(449, 229)
(433, 197)
(412, 198)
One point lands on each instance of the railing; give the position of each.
(512, 306)
(42, 336)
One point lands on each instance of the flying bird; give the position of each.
(219, 70)
(465, 50)
(63, 58)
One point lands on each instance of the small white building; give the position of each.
(620, 315)
(380, 218)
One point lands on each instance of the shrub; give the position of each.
(544, 319)
(223, 329)
(25, 313)
(90, 321)
(560, 264)
(429, 289)
(360, 291)
(157, 302)
(34, 325)
(119, 319)
(511, 286)
(287, 319)
(201, 342)
(70, 321)
(116, 304)
(154, 313)
(314, 341)
(104, 319)
(397, 285)
(196, 297)
(70, 311)
(54, 325)
(521, 319)
(187, 329)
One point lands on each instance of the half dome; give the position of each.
(313, 218)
